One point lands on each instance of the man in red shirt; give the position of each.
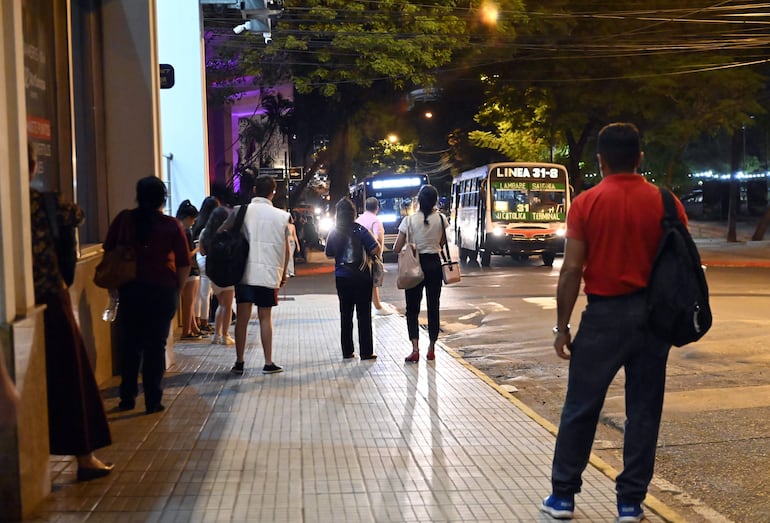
(613, 231)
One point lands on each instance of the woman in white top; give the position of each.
(425, 229)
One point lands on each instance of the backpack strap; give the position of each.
(239, 217)
(669, 207)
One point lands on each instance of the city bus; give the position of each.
(511, 208)
(397, 194)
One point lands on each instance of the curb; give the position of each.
(654, 504)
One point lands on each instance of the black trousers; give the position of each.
(431, 267)
(355, 293)
(144, 319)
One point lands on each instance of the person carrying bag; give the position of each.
(418, 245)
(410, 272)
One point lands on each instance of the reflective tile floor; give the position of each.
(328, 440)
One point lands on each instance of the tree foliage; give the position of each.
(677, 68)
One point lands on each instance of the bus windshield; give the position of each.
(392, 208)
(528, 201)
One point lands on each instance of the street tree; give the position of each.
(353, 51)
(678, 69)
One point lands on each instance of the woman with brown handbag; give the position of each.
(426, 230)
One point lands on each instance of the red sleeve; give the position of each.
(575, 220)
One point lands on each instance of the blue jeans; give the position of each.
(613, 334)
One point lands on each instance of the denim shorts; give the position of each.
(259, 296)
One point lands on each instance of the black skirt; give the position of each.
(77, 423)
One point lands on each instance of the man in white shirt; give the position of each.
(369, 220)
(267, 230)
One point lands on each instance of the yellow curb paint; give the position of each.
(654, 504)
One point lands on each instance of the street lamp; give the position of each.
(392, 138)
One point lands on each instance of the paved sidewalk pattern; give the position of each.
(328, 440)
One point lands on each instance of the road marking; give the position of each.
(546, 303)
(728, 398)
(483, 309)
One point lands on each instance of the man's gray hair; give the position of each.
(372, 204)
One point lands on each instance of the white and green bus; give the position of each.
(512, 208)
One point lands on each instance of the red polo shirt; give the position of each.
(619, 221)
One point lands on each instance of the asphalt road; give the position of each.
(714, 450)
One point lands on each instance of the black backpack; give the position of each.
(228, 253)
(678, 308)
(65, 239)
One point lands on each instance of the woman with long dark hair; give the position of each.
(202, 299)
(349, 243)
(225, 295)
(77, 423)
(148, 303)
(426, 229)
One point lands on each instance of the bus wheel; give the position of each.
(548, 258)
(486, 259)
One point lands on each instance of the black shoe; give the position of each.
(237, 368)
(151, 409)
(87, 474)
(126, 405)
(369, 357)
(348, 356)
(271, 369)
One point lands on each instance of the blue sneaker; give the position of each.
(558, 507)
(629, 513)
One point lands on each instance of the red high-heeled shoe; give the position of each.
(431, 355)
(414, 357)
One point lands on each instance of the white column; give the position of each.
(183, 106)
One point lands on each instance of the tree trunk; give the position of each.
(576, 148)
(759, 233)
(735, 162)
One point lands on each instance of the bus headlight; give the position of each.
(498, 231)
(325, 225)
(561, 232)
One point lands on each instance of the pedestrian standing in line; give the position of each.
(77, 423)
(224, 295)
(426, 229)
(267, 230)
(187, 213)
(293, 245)
(370, 221)
(202, 300)
(613, 231)
(150, 302)
(349, 243)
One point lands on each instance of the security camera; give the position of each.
(238, 29)
(268, 38)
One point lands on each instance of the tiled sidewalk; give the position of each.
(326, 441)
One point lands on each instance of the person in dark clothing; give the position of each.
(349, 243)
(77, 423)
(148, 303)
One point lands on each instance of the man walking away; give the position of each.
(268, 233)
(613, 231)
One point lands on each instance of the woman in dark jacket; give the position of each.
(348, 243)
(148, 303)
(77, 423)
